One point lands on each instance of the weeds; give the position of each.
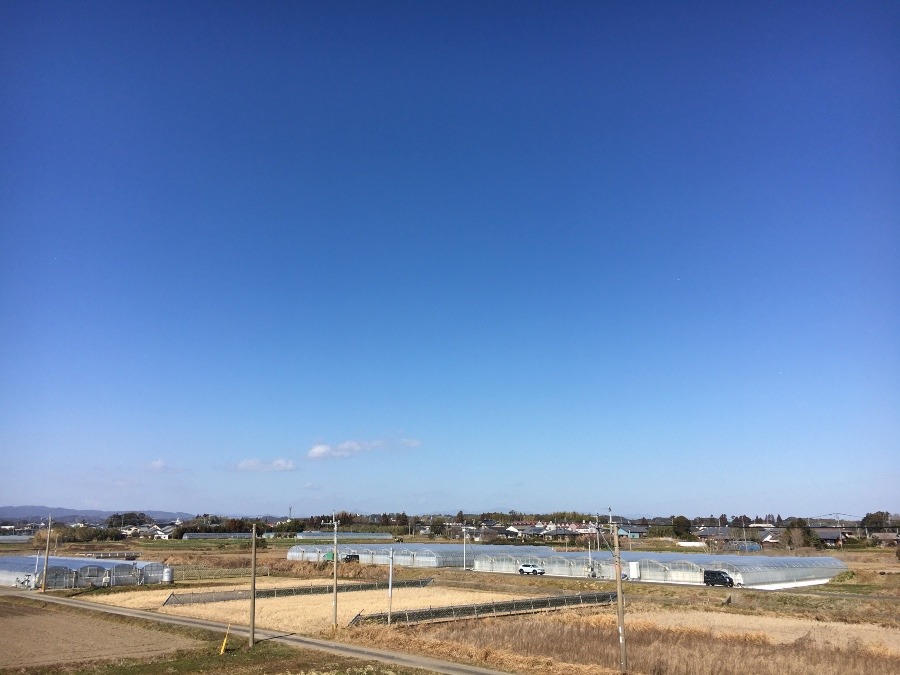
(592, 641)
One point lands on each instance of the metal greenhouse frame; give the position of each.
(62, 572)
(685, 568)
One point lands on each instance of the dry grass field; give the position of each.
(572, 642)
(308, 614)
(849, 626)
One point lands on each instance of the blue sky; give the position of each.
(427, 257)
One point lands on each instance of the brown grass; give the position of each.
(552, 644)
(312, 614)
(846, 627)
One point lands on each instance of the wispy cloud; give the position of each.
(262, 465)
(159, 466)
(345, 449)
(410, 442)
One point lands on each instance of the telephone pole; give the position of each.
(47, 554)
(253, 585)
(620, 600)
(334, 557)
(464, 545)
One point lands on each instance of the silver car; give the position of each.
(528, 568)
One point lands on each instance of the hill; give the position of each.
(39, 513)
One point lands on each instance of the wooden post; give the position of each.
(620, 601)
(253, 586)
(47, 554)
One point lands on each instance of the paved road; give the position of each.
(352, 651)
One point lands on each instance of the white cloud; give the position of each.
(411, 443)
(260, 465)
(159, 466)
(345, 449)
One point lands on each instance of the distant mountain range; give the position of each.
(40, 513)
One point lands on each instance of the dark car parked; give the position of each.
(717, 578)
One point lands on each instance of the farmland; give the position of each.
(850, 625)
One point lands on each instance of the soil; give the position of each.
(306, 614)
(31, 635)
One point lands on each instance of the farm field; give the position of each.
(308, 614)
(40, 636)
(41, 639)
(851, 625)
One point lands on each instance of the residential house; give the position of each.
(558, 534)
(708, 534)
(633, 531)
(885, 538)
(832, 537)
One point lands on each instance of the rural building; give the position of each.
(633, 531)
(885, 538)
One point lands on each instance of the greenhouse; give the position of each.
(413, 555)
(28, 572)
(686, 568)
(329, 536)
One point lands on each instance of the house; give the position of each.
(633, 531)
(771, 537)
(712, 534)
(831, 537)
(558, 534)
(523, 531)
(885, 538)
(489, 533)
(164, 532)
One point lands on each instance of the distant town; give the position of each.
(721, 533)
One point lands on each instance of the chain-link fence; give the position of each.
(197, 573)
(199, 597)
(484, 610)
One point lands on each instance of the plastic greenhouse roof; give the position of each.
(26, 563)
(739, 561)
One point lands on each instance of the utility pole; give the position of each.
(598, 534)
(334, 557)
(253, 585)
(47, 555)
(620, 600)
(464, 545)
(391, 586)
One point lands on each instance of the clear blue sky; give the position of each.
(423, 257)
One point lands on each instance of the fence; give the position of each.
(195, 573)
(322, 589)
(531, 605)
